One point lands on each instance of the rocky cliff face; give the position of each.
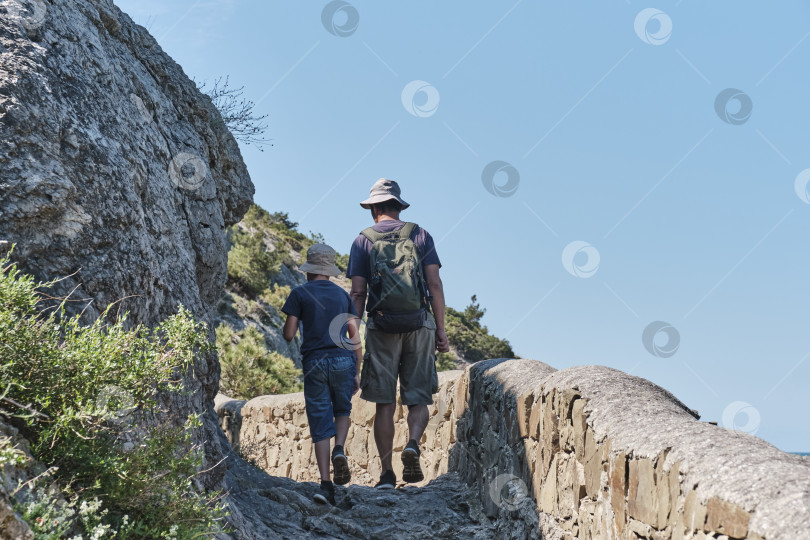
(114, 170)
(114, 166)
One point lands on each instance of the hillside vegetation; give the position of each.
(266, 250)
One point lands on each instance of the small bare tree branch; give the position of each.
(237, 112)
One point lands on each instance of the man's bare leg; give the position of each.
(384, 433)
(417, 422)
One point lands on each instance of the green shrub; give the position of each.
(276, 296)
(445, 361)
(250, 265)
(78, 392)
(50, 518)
(342, 262)
(277, 224)
(249, 369)
(9, 455)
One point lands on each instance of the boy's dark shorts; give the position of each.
(411, 357)
(328, 385)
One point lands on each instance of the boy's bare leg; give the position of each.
(342, 424)
(417, 421)
(384, 433)
(322, 456)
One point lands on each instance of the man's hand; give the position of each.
(442, 343)
(356, 384)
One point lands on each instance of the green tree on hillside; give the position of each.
(470, 339)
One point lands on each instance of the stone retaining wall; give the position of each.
(586, 452)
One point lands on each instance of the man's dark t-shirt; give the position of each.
(316, 304)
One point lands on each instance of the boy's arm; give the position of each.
(292, 309)
(290, 327)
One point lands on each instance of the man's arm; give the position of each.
(358, 294)
(290, 327)
(434, 283)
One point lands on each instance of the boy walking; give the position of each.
(331, 361)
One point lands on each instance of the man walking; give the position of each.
(395, 266)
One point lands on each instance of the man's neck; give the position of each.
(386, 217)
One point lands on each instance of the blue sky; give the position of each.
(606, 117)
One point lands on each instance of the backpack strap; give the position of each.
(372, 235)
(406, 230)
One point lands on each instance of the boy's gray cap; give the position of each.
(384, 190)
(320, 260)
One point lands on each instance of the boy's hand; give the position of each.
(356, 384)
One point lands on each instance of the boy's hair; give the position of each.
(391, 205)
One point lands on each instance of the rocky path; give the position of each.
(280, 508)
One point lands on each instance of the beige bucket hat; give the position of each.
(320, 260)
(384, 190)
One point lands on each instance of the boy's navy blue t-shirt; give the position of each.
(316, 304)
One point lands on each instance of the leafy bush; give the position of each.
(445, 361)
(9, 455)
(49, 518)
(276, 296)
(277, 224)
(249, 369)
(52, 518)
(342, 262)
(79, 392)
(250, 265)
(470, 339)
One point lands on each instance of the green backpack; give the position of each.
(398, 294)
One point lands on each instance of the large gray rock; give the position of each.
(115, 171)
